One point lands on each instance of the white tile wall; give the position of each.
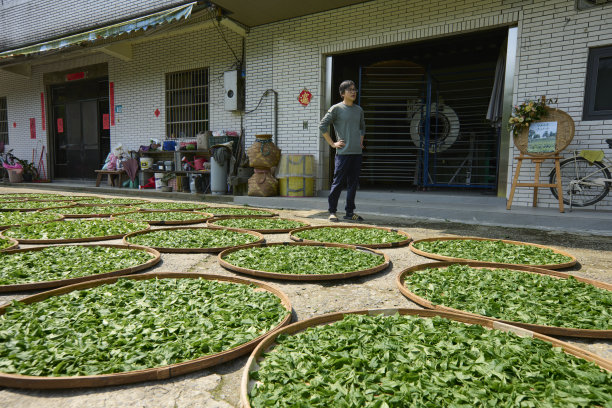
(139, 88)
(553, 46)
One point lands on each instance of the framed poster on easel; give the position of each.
(543, 140)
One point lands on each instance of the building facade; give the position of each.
(424, 69)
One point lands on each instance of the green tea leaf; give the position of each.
(493, 251)
(304, 260)
(260, 223)
(514, 295)
(193, 238)
(406, 361)
(66, 262)
(75, 229)
(349, 235)
(133, 325)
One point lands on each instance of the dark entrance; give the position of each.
(425, 107)
(79, 139)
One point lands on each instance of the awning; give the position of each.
(115, 30)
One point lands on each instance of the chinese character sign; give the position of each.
(305, 97)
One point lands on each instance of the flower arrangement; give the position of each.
(526, 113)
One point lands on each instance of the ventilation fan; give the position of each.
(588, 4)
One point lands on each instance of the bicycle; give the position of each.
(584, 183)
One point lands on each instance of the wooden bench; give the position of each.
(112, 174)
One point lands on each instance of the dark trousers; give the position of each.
(348, 168)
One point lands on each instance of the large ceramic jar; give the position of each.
(263, 153)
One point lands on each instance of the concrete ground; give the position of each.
(219, 386)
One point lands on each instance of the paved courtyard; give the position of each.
(219, 386)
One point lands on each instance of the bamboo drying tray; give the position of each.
(404, 242)
(128, 209)
(13, 241)
(269, 342)
(212, 224)
(72, 204)
(452, 259)
(65, 198)
(195, 207)
(150, 374)
(72, 240)
(194, 250)
(64, 282)
(268, 213)
(205, 217)
(60, 218)
(311, 277)
(548, 330)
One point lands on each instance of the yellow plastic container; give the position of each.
(296, 186)
(296, 175)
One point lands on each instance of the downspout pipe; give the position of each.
(274, 115)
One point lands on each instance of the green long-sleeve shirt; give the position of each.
(349, 125)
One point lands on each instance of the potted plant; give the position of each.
(30, 173)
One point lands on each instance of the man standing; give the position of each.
(349, 123)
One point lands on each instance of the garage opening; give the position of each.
(425, 107)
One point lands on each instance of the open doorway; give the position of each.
(425, 107)
(79, 136)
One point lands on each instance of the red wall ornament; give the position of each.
(305, 97)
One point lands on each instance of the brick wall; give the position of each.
(551, 60)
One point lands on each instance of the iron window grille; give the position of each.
(187, 103)
(597, 95)
(3, 121)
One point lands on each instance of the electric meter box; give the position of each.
(234, 90)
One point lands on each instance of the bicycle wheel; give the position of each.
(590, 190)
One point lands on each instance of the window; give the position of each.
(187, 99)
(598, 91)
(3, 121)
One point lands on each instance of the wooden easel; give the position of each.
(565, 134)
(536, 184)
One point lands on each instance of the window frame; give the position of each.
(187, 115)
(4, 136)
(589, 112)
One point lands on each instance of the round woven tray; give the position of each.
(67, 198)
(212, 224)
(128, 210)
(72, 240)
(72, 204)
(196, 207)
(60, 218)
(270, 342)
(194, 250)
(71, 281)
(269, 213)
(295, 277)
(151, 374)
(451, 259)
(14, 244)
(549, 330)
(404, 242)
(565, 133)
(205, 217)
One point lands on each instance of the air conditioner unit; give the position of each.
(589, 4)
(234, 90)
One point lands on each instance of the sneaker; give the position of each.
(333, 217)
(353, 217)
